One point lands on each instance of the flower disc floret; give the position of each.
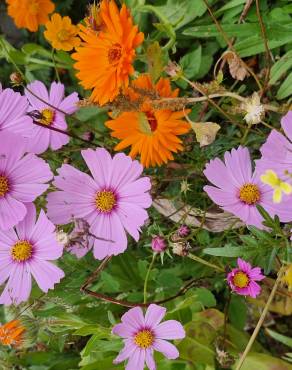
(240, 279)
(105, 200)
(21, 251)
(4, 185)
(249, 194)
(144, 338)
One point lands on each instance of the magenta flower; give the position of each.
(13, 117)
(277, 151)
(22, 179)
(183, 231)
(26, 251)
(142, 335)
(238, 190)
(242, 279)
(43, 137)
(158, 244)
(113, 201)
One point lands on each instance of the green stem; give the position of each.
(147, 276)
(260, 322)
(47, 63)
(55, 65)
(206, 263)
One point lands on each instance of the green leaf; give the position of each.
(281, 67)
(191, 62)
(285, 89)
(237, 312)
(280, 338)
(206, 297)
(227, 251)
(260, 361)
(156, 60)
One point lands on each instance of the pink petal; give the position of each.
(216, 172)
(18, 287)
(170, 329)
(150, 359)
(154, 315)
(57, 91)
(126, 352)
(25, 227)
(6, 266)
(134, 318)
(168, 349)
(69, 104)
(99, 163)
(221, 197)
(11, 212)
(39, 90)
(132, 218)
(39, 141)
(286, 123)
(243, 265)
(254, 289)
(45, 273)
(125, 170)
(136, 360)
(123, 330)
(59, 211)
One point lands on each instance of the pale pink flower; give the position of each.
(13, 117)
(144, 335)
(112, 201)
(239, 190)
(42, 137)
(23, 178)
(25, 252)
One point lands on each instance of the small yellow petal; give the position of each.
(277, 195)
(270, 178)
(286, 188)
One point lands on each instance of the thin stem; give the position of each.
(261, 320)
(230, 45)
(147, 277)
(55, 65)
(268, 59)
(226, 311)
(206, 263)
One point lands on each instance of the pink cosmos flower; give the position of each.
(22, 179)
(112, 201)
(238, 190)
(43, 137)
(13, 117)
(277, 151)
(26, 251)
(242, 279)
(142, 335)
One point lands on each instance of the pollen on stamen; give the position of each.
(105, 201)
(47, 117)
(4, 185)
(21, 251)
(249, 194)
(144, 338)
(241, 280)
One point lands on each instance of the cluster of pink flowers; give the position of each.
(110, 203)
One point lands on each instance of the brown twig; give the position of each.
(268, 56)
(95, 274)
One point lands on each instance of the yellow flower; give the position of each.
(61, 33)
(270, 178)
(287, 277)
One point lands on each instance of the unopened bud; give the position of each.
(16, 78)
(158, 244)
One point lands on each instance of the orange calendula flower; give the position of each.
(11, 333)
(61, 33)
(152, 134)
(104, 59)
(30, 14)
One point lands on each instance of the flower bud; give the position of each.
(183, 231)
(16, 78)
(158, 244)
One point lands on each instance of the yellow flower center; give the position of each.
(34, 7)
(240, 279)
(21, 251)
(114, 53)
(47, 117)
(249, 194)
(144, 338)
(4, 186)
(105, 201)
(63, 35)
